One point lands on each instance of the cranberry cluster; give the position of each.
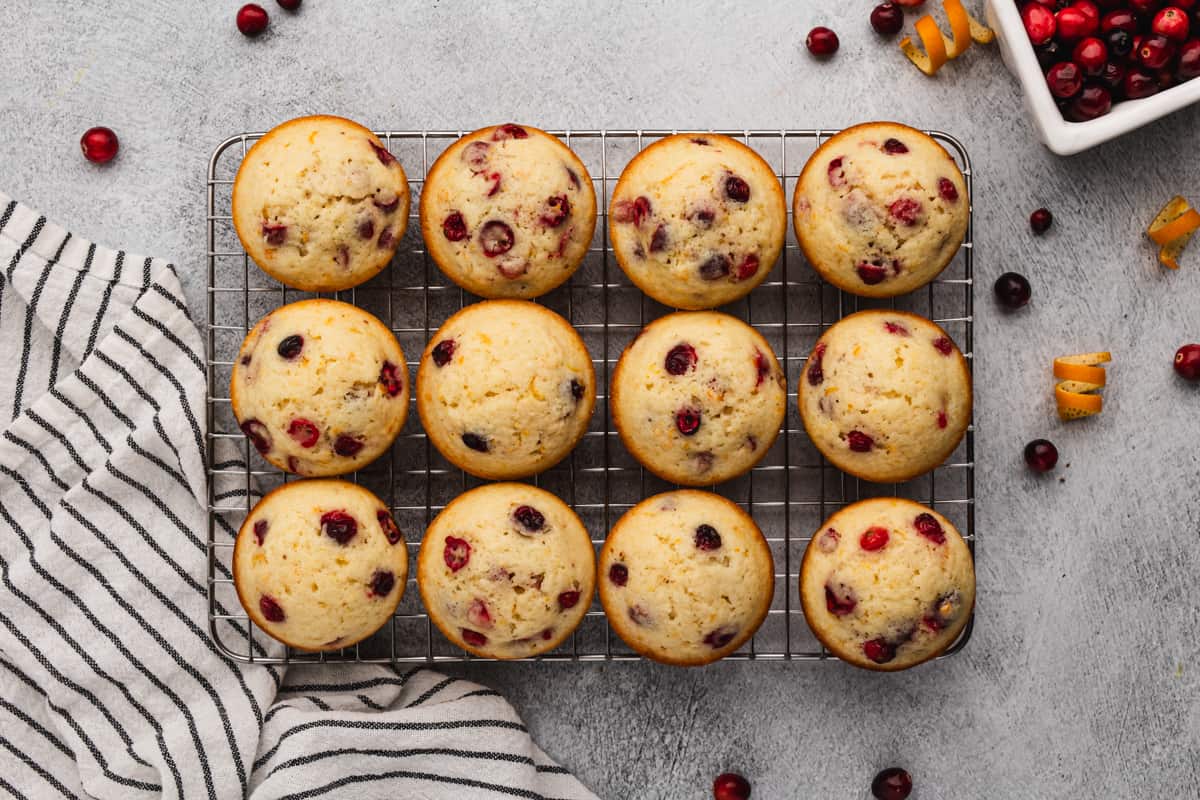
(1097, 52)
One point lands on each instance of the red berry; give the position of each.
(1089, 10)
(288, 5)
(1137, 84)
(1172, 23)
(1041, 220)
(99, 145)
(1145, 6)
(731, 786)
(1065, 80)
(252, 19)
(860, 442)
(1119, 20)
(821, 42)
(1040, 23)
(1189, 61)
(1113, 74)
(1092, 102)
(1156, 52)
(1041, 455)
(887, 19)
(1073, 24)
(892, 783)
(1187, 362)
(874, 539)
(1013, 290)
(1091, 54)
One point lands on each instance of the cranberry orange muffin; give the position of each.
(887, 584)
(320, 564)
(320, 387)
(686, 577)
(880, 209)
(698, 397)
(508, 211)
(697, 220)
(885, 395)
(505, 389)
(507, 571)
(320, 204)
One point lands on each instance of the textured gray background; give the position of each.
(1081, 679)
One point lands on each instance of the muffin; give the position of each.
(320, 387)
(508, 211)
(320, 564)
(885, 395)
(880, 209)
(887, 584)
(686, 577)
(507, 571)
(697, 220)
(698, 397)
(505, 389)
(320, 204)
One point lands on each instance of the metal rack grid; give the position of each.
(789, 493)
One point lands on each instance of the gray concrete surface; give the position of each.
(1082, 677)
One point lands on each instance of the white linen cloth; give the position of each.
(110, 685)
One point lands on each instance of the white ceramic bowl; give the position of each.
(1063, 137)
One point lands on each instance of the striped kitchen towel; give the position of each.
(109, 683)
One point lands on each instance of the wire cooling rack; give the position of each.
(790, 493)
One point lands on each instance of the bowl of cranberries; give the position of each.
(1093, 70)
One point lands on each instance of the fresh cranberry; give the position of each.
(947, 190)
(879, 650)
(1013, 290)
(717, 266)
(274, 235)
(1187, 362)
(443, 351)
(347, 446)
(509, 131)
(288, 5)
(719, 638)
(731, 786)
(495, 237)
(555, 210)
(476, 442)
(821, 42)
(258, 434)
(382, 583)
(658, 239)
(736, 189)
(339, 526)
(473, 638)
(1041, 455)
(1138, 84)
(1074, 24)
(252, 19)
(707, 538)
(1092, 102)
(304, 432)
(99, 145)
(388, 526)
(816, 375)
(928, 526)
(392, 380)
(906, 211)
(1121, 19)
(1090, 10)
(618, 574)
(887, 19)
(1064, 79)
(454, 227)
(1119, 43)
(895, 147)
(1189, 61)
(568, 600)
(1172, 23)
(892, 783)
(895, 328)
(871, 274)
(1049, 54)
(260, 531)
(290, 346)
(270, 608)
(875, 538)
(1156, 52)
(1145, 7)
(1090, 54)
(529, 518)
(1113, 74)
(835, 173)
(687, 420)
(456, 553)
(840, 604)
(1041, 220)
(1040, 23)
(943, 345)
(860, 442)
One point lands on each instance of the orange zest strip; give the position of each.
(940, 48)
(1077, 393)
(934, 56)
(1080, 373)
(1172, 229)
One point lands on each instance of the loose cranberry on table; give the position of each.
(99, 145)
(1187, 362)
(1041, 220)
(1013, 290)
(892, 783)
(887, 19)
(1041, 455)
(252, 19)
(731, 786)
(821, 42)
(910, 3)
(288, 5)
